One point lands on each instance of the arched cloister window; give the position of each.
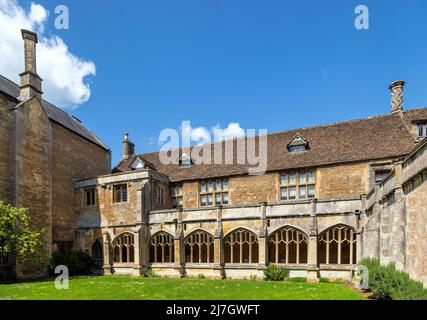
(162, 248)
(241, 246)
(287, 245)
(3, 254)
(337, 245)
(199, 247)
(123, 248)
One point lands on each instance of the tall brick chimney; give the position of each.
(396, 90)
(31, 83)
(128, 147)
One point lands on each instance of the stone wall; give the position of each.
(333, 182)
(6, 148)
(190, 191)
(394, 229)
(73, 158)
(33, 163)
(254, 189)
(416, 241)
(120, 213)
(342, 181)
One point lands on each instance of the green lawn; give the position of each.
(127, 287)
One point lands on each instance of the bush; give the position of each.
(387, 283)
(275, 273)
(298, 279)
(253, 277)
(78, 263)
(150, 274)
(201, 276)
(324, 280)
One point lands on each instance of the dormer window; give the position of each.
(137, 164)
(422, 129)
(185, 160)
(298, 144)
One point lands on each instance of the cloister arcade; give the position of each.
(286, 245)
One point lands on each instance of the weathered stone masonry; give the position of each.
(43, 152)
(331, 194)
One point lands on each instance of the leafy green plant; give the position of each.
(324, 280)
(388, 283)
(275, 273)
(151, 274)
(18, 239)
(201, 276)
(298, 279)
(77, 262)
(253, 277)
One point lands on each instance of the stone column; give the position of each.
(262, 237)
(138, 267)
(359, 237)
(313, 268)
(107, 263)
(218, 244)
(179, 254)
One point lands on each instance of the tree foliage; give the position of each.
(17, 237)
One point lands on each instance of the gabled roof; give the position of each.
(54, 113)
(297, 140)
(372, 138)
(127, 164)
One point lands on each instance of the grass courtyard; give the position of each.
(140, 288)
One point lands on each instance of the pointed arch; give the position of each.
(241, 246)
(238, 228)
(162, 249)
(123, 247)
(97, 253)
(199, 247)
(288, 245)
(337, 245)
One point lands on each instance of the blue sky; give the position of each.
(265, 64)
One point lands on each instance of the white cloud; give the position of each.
(63, 73)
(201, 135)
(233, 130)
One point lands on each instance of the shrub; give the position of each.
(201, 276)
(253, 277)
(78, 263)
(324, 280)
(275, 273)
(387, 283)
(337, 280)
(298, 279)
(150, 274)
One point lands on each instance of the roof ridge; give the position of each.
(56, 114)
(414, 109)
(285, 131)
(12, 82)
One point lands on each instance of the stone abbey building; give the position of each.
(331, 195)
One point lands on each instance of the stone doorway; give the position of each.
(97, 256)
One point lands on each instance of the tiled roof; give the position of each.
(54, 113)
(379, 137)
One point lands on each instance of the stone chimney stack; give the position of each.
(396, 90)
(128, 147)
(31, 83)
